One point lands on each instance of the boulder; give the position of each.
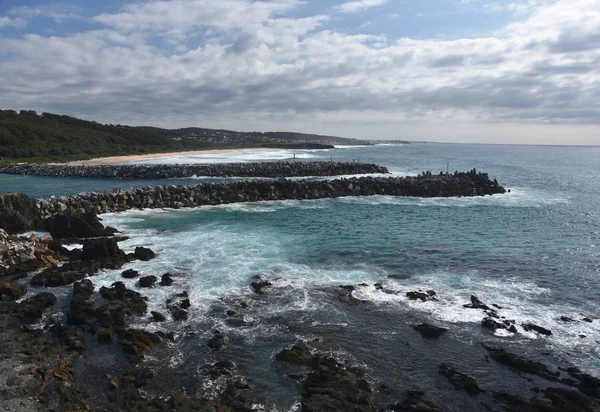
(521, 364)
(12, 291)
(18, 213)
(166, 280)
(531, 327)
(103, 248)
(105, 337)
(217, 341)
(68, 224)
(429, 331)
(158, 317)
(415, 401)
(477, 304)
(143, 253)
(130, 274)
(460, 380)
(422, 296)
(148, 281)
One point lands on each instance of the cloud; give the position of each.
(57, 12)
(360, 5)
(6, 21)
(256, 65)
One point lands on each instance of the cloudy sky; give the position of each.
(516, 71)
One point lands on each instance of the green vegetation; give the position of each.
(29, 136)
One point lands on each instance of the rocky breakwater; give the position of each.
(178, 196)
(264, 169)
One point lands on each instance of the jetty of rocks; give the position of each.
(171, 171)
(179, 196)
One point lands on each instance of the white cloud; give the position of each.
(6, 21)
(58, 12)
(360, 5)
(257, 67)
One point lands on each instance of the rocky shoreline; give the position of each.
(86, 354)
(427, 185)
(264, 169)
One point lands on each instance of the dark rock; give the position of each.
(259, 285)
(298, 354)
(18, 213)
(148, 281)
(143, 253)
(122, 302)
(344, 294)
(422, 296)
(137, 342)
(330, 387)
(102, 248)
(31, 309)
(521, 364)
(178, 305)
(490, 323)
(530, 326)
(460, 380)
(587, 384)
(217, 341)
(554, 400)
(158, 317)
(588, 320)
(138, 377)
(66, 274)
(477, 304)
(566, 319)
(105, 337)
(166, 280)
(415, 401)
(429, 331)
(68, 224)
(69, 337)
(130, 274)
(231, 312)
(82, 313)
(12, 291)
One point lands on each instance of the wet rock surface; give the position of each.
(459, 380)
(430, 331)
(330, 385)
(18, 213)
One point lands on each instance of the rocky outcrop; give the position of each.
(19, 255)
(82, 224)
(460, 380)
(264, 169)
(422, 296)
(18, 213)
(430, 331)
(521, 364)
(330, 386)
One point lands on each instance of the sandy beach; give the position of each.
(115, 160)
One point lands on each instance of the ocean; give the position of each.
(535, 252)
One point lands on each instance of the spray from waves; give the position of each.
(519, 300)
(235, 156)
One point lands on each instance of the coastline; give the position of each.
(117, 160)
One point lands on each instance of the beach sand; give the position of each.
(115, 160)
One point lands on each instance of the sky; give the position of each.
(487, 71)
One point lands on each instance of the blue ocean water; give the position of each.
(534, 251)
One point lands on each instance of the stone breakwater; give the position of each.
(265, 169)
(207, 194)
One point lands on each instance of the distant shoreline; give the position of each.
(116, 160)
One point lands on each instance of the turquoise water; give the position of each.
(534, 251)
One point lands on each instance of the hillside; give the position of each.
(46, 136)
